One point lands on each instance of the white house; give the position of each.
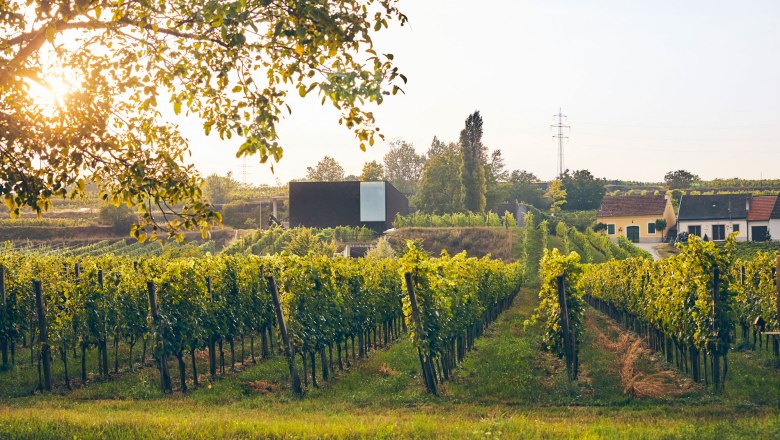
(715, 216)
(759, 218)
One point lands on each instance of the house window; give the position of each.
(735, 228)
(611, 229)
(718, 232)
(694, 230)
(651, 228)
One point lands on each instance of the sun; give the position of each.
(48, 92)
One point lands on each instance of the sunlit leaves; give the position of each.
(231, 64)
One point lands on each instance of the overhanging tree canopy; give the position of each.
(129, 65)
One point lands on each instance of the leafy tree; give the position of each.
(660, 224)
(126, 64)
(120, 218)
(403, 166)
(523, 187)
(473, 161)
(497, 191)
(557, 194)
(372, 171)
(440, 189)
(219, 189)
(680, 179)
(583, 191)
(326, 170)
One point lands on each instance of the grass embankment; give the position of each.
(507, 387)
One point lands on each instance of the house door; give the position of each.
(758, 233)
(632, 232)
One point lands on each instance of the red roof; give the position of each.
(621, 206)
(761, 208)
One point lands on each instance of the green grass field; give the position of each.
(507, 388)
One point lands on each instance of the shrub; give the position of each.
(120, 218)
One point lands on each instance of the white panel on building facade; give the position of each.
(372, 202)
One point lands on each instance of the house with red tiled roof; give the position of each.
(635, 217)
(759, 218)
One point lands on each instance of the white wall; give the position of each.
(774, 229)
(706, 227)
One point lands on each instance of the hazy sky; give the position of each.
(648, 87)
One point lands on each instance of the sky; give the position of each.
(648, 87)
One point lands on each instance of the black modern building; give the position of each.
(330, 204)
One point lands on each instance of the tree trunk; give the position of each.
(264, 342)
(221, 358)
(232, 355)
(182, 371)
(323, 364)
(194, 367)
(83, 364)
(64, 355)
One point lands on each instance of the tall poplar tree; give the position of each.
(474, 159)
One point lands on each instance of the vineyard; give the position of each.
(61, 307)
(687, 307)
(279, 337)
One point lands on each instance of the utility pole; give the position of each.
(243, 170)
(561, 138)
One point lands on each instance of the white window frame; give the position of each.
(614, 228)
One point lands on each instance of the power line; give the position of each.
(560, 136)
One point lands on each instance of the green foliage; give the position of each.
(382, 250)
(237, 214)
(680, 179)
(403, 167)
(453, 293)
(755, 292)
(219, 190)
(275, 240)
(419, 219)
(147, 58)
(674, 294)
(524, 187)
(631, 249)
(120, 218)
(583, 191)
(440, 190)
(544, 231)
(372, 171)
(553, 265)
(305, 243)
(660, 224)
(326, 170)
(557, 195)
(582, 220)
(473, 160)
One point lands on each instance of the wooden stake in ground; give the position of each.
(425, 361)
(569, 350)
(295, 382)
(212, 337)
(165, 377)
(43, 335)
(776, 337)
(4, 315)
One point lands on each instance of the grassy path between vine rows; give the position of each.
(506, 388)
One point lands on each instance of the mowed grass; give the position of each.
(507, 388)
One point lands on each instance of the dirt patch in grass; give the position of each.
(385, 370)
(262, 387)
(652, 381)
